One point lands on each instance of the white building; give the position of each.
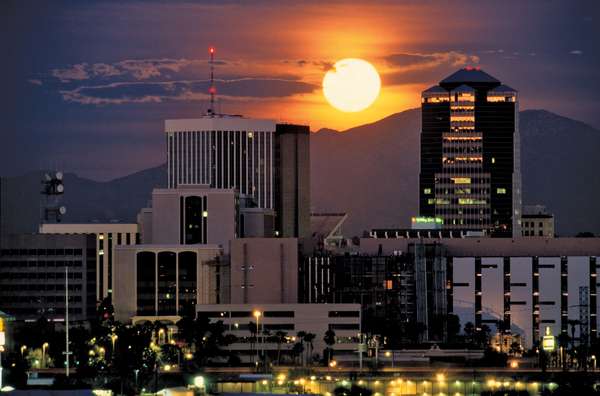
(223, 152)
(108, 236)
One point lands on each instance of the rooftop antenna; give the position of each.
(212, 90)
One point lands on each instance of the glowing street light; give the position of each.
(257, 314)
(45, 346)
(23, 349)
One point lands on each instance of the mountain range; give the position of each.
(370, 172)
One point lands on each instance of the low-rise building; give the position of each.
(35, 270)
(270, 331)
(155, 281)
(108, 236)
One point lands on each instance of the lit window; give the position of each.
(461, 180)
(501, 190)
(493, 160)
(427, 191)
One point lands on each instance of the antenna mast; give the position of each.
(212, 90)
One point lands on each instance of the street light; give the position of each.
(23, 349)
(594, 362)
(257, 314)
(113, 338)
(45, 346)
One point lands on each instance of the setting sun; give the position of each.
(352, 85)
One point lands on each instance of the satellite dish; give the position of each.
(62, 210)
(59, 176)
(60, 188)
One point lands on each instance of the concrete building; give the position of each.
(292, 180)
(396, 291)
(191, 214)
(33, 276)
(166, 281)
(326, 230)
(223, 152)
(108, 236)
(525, 284)
(289, 319)
(470, 154)
(264, 270)
(536, 221)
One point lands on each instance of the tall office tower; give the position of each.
(223, 151)
(292, 180)
(470, 154)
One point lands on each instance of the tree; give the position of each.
(469, 330)
(309, 338)
(301, 334)
(452, 326)
(297, 350)
(330, 340)
(280, 338)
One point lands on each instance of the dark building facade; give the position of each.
(403, 296)
(292, 180)
(33, 276)
(470, 154)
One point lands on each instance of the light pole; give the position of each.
(113, 338)
(257, 315)
(45, 345)
(136, 372)
(23, 349)
(594, 362)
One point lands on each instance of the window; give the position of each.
(501, 190)
(541, 233)
(344, 314)
(461, 180)
(427, 191)
(541, 224)
(344, 326)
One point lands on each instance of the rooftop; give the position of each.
(469, 75)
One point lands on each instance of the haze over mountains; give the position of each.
(370, 171)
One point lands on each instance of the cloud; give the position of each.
(35, 81)
(576, 52)
(75, 72)
(184, 90)
(138, 69)
(411, 61)
(418, 68)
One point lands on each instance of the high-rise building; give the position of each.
(224, 152)
(292, 180)
(470, 154)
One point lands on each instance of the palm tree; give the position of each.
(329, 339)
(469, 330)
(308, 338)
(301, 335)
(280, 339)
(297, 350)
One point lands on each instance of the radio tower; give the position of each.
(212, 90)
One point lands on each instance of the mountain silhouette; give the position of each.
(370, 172)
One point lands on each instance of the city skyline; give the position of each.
(87, 90)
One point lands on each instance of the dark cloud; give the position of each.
(155, 92)
(430, 60)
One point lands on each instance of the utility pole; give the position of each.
(67, 353)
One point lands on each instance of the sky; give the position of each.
(86, 86)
